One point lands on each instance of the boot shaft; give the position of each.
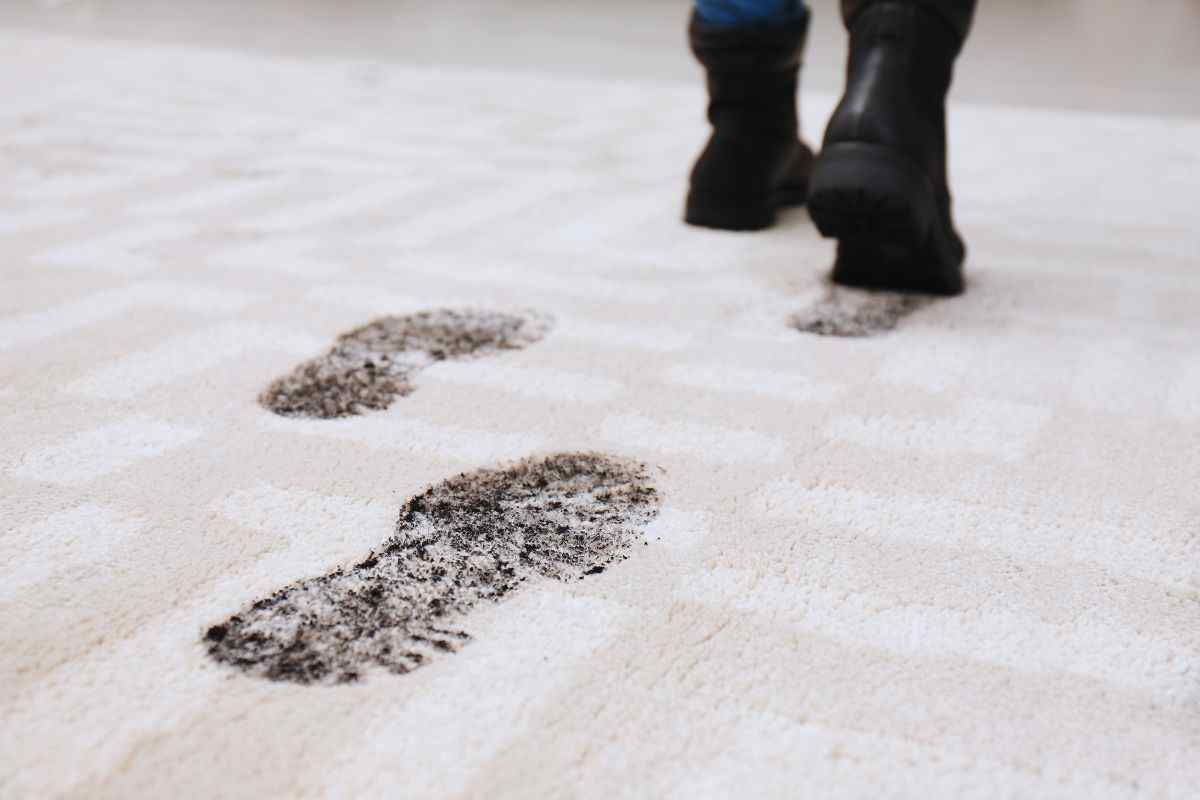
(899, 70)
(958, 14)
(752, 73)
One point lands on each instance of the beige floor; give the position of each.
(1135, 56)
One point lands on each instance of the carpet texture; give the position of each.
(952, 552)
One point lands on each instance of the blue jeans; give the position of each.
(748, 12)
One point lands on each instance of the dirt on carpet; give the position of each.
(370, 367)
(473, 538)
(854, 313)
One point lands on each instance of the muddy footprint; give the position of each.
(370, 367)
(856, 313)
(473, 538)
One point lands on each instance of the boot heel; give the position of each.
(707, 212)
(884, 213)
(863, 190)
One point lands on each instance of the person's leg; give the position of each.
(754, 162)
(880, 185)
(747, 12)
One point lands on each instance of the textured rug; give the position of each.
(599, 505)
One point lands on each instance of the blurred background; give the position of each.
(1137, 56)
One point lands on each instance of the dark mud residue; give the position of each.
(369, 367)
(473, 538)
(855, 313)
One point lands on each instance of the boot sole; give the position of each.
(704, 212)
(884, 212)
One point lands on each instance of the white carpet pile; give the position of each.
(958, 558)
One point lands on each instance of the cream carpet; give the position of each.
(957, 559)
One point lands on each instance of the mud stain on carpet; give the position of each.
(473, 538)
(370, 367)
(856, 313)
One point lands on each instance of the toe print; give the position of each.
(368, 368)
(472, 538)
(857, 312)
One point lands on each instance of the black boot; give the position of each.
(879, 186)
(754, 162)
